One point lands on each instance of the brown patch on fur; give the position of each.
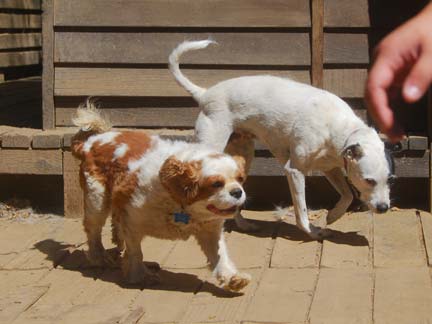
(114, 174)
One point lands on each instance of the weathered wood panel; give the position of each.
(73, 194)
(48, 118)
(183, 13)
(347, 83)
(346, 48)
(235, 48)
(10, 41)
(145, 82)
(21, 4)
(14, 21)
(317, 41)
(346, 13)
(31, 162)
(20, 58)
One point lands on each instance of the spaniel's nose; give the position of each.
(382, 208)
(236, 193)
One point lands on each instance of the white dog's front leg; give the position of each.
(296, 181)
(337, 179)
(213, 245)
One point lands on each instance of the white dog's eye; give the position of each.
(371, 182)
(240, 179)
(218, 184)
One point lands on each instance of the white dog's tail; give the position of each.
(184, 47)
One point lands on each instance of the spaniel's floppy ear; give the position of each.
(181, 179)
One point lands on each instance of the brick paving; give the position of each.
(374, 269)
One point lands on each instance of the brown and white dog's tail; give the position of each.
(90, 121)
(173, 59)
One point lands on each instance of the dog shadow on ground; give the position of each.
(291, 232)
(71, 257)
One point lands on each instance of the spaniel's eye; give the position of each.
(218, 184)
(240, 179)
(371, 182)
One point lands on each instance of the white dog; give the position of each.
(304, 127)
(155, 187)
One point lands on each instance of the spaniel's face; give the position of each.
(210, 186)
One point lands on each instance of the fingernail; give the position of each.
(412, 92)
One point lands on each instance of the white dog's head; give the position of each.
(370, 169)
(210, 186)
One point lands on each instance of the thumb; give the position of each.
(419, 78)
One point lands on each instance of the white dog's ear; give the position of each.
(181, 179)
(353, 152)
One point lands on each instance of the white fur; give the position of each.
(96, 192)
(304, 127)
(120, 151)
(102, 139)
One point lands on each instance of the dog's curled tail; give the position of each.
(173, 59)
(90, 121)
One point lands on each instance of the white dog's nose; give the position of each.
(382, 208)
(236, 193)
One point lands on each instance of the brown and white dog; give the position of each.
(155, 187)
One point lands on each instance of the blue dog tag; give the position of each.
(181, 218)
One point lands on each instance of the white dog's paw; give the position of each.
(236, 282)
(318, 233)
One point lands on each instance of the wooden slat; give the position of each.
(144, 82)
(347, 83)
(418, 143)
(21, 4)
(48, 118)
(139, 117)
(8, 41)
(47, 140)
(235, 48)
(183, 13)
(73, 194)
(346, 48)
(317, 41)
(346, 13)
(13, 21)
(31, 162)
(20, 58)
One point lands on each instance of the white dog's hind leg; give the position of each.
(338, 181)
(296, 181)
(212, 243)
(242, 144)
(215, 131)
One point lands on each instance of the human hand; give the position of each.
(403, 64)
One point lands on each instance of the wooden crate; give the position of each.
(117, 50)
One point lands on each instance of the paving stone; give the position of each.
(156, 250)
(350, 243)
(185, 255)
(403, 296)
(294, 248)
(168, 301)
(213, 305)
(397, 240)
(283, 295)
(426, 219)
(343, 296)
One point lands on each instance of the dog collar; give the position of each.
(181, 217)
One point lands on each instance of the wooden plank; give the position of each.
(397, 240)
(14, 21)
(403, 295)
(31, 162)
(317, 41)
(343, 296)
(48, 118)
(145, 82)
(8, 41)
(73, 194)
(346, 13)
(20, 58)
(47, 140)
(426, 222)
(235, 48)
(418, 143)
(18, 138)
(346, 48)
(21, 4)
(2, 77)
(347, 83)
(183, 13)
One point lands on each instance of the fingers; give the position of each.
(380, 79)
(419, 78)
